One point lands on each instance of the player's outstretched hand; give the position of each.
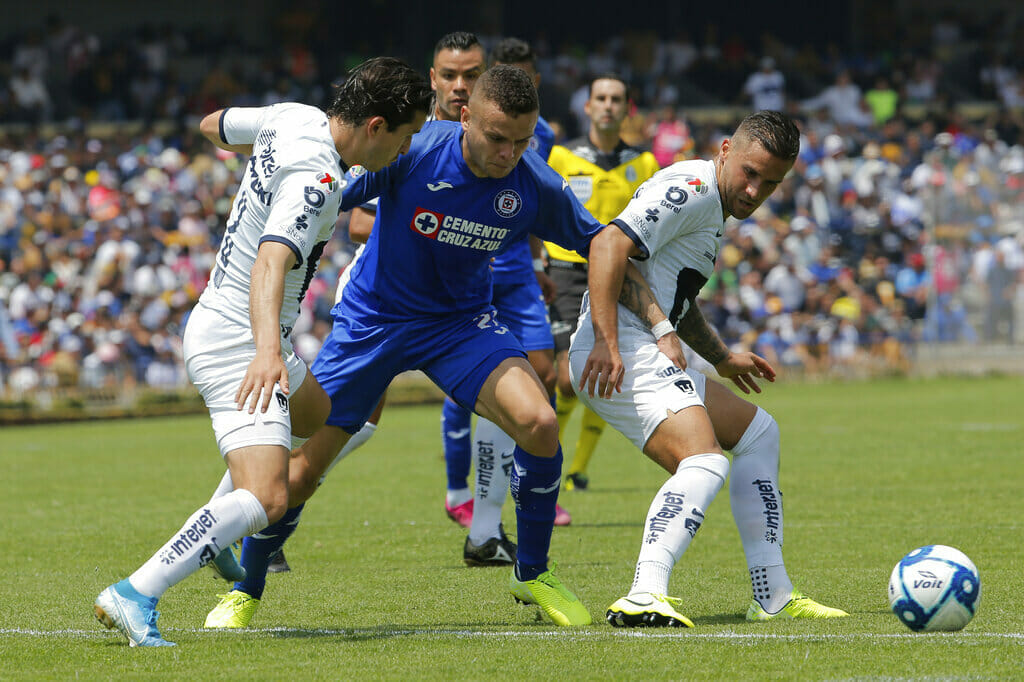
(265, 370)
(603, 370)
(743, 367)
(672, 348)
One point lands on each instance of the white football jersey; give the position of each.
(290, 193)
(676, 219)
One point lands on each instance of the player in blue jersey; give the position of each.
(520, 285)
(236, 344)
(519, 281)
(419, 298)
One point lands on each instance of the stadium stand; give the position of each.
(902, 223)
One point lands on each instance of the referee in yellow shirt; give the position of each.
(603, 172)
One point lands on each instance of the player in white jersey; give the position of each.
(631, 354)
(236, 346)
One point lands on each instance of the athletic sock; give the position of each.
(225, 486)
(455, 434)
(757, 509)
(210, 529)
(591, 428)
(357, 441)
(259, 549)
(674, 517)
(564, 405)
(535, 490)
(493, 450)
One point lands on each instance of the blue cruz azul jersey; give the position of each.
(516, 264)
(438, 227)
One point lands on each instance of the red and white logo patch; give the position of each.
(329, 181)
(426, 222)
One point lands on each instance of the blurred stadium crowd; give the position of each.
(902, 222)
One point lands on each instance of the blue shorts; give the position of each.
(521, 307)
(358, 359)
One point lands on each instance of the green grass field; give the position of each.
(378, 588)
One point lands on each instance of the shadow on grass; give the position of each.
(385, 632)
(631, 524)
(720, 619)
(596, 492)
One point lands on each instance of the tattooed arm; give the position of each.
(636, 297)
(612, 279)
(699, 336)
(740, 367)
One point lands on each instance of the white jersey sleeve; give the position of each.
(240, 125)
(678, 200)
(289, 193)
(675, 219)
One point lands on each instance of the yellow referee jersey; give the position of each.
(604, 183)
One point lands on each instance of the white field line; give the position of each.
(542, 634)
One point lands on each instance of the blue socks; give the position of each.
(456, 436)
(259, 548)
(535, 482)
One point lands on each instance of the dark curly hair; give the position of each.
(382, 86)
(510, 88)
(513, 51)
(774, 131)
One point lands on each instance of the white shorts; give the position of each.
(651, 388)
(217, 354)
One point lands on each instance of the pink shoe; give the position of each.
(461, 514)
(562, 517)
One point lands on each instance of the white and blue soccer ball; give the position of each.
(935, 588)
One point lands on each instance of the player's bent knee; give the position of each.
(275, 504)
(302, 483)
(539, 435)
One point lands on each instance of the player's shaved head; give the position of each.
(509, 87)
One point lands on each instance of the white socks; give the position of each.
(357, 441)
(757, 508)
(676, 514)
(210, 529)
(493, 450)
(453, 498)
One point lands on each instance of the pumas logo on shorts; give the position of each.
(507, 203)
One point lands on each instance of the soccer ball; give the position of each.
(935, 588)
